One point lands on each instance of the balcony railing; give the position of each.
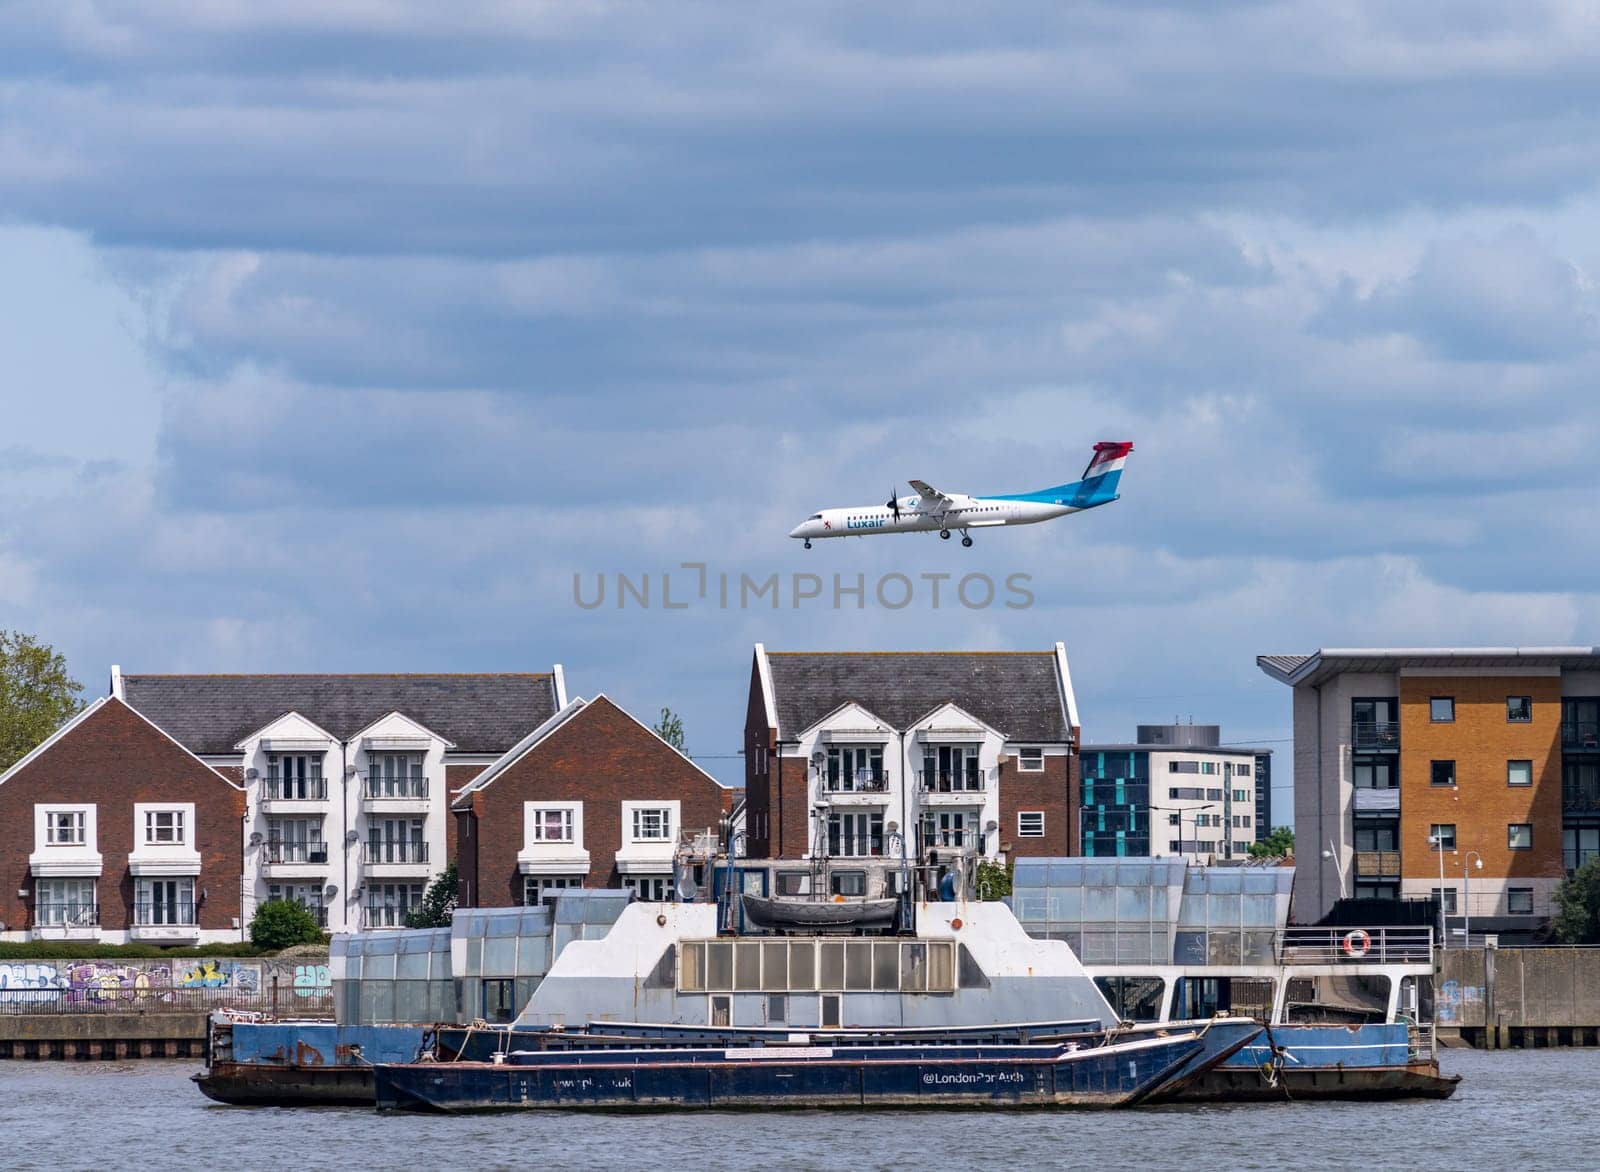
(296, 789)
(863, 781)
(179, 914)
(397, 852)
(404, 788)
(952, 781)
(1376, 801)
(1372, 945)
(297, 852)
(1376, 735)
(1377, 864)
(1580, 734)
(1580, 798)
(73, 914)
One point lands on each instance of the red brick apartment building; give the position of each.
(953, 749)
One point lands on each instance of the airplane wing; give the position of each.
(929, 493)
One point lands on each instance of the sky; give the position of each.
(350, 336)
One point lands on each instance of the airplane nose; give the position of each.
(796, 531)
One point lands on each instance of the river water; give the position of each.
(1516, 1109)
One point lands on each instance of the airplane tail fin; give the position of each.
(1099, 483)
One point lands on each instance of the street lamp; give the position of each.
(1180, 812)
(1466, 895)
(1338, 865)
(1444, 924)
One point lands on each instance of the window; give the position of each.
(855, 767)
(1442, 836)
(163, 827)
(855, 834)
(1442, 709)
(1519, 901)
(1579, 844)
(551, 824)
(396, 775)
(1240, 795)
(295, 840)
(1030, 823)
(1519, 709)
(1385, 836)
(1174, 819)
(1242, 770)
(396, 840)
(652, 823)
(164, 902)
(307, 895)
(1447, 897)
(947, 828)
(1213, 795)
(951, 769)
(1183, 767)
(848, 883)
(649, 888)
(1030, 760)
(1442, 773)
(1185, 793)
(1208, 767)
(65, 903)
(1519, 772)
(295, 777)
(1375, 773)
(388, 904)
(541, 890)
(64, 828)
(1519, 836)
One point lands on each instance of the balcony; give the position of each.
(294, 795)
(66, 921)
(952, 787)
(1581, 799)
(1581, 736)
(1377, 801)
(287, 859)
(172, 922)
(866, 787)
(399, 859)
(1377, 864)
(1375, 736)
(397, 795)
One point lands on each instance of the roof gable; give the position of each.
(1016, 692)
(211, 714)
(84, 717)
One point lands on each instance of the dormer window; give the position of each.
(652, 824)
(64, 828)
(552, 824)
(163, 827)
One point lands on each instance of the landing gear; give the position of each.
(808, 543)
(966, 541)
(944, 534)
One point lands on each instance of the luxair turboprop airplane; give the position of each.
(932, 510)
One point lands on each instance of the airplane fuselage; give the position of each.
(920, 516)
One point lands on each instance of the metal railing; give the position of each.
(71, 914)
(1355, 945)
(91, 999)
(1419, 1042)
(1580, 734)
(1580, 797)
(152, 914)
(296, 789)
(952, 781)
(1377, 864)
(387, 851)
(1375, 734)
(297, 852)
(396, 787)
(866, 781)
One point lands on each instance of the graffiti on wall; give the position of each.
(107, 980)
(1459, 1004)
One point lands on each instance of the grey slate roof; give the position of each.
(485, 713)
(1327, 662)
(1017, 692)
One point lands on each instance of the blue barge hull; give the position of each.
(796, 1077)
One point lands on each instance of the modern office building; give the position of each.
(1470, 773)
(1174, 790)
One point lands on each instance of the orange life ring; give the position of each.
(1357, 943)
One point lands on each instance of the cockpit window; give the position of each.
(816, 516)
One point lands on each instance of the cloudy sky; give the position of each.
(340, 335)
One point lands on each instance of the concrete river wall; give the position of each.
(146, 1008)
(1519, 997)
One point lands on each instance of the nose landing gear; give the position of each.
(808, 543)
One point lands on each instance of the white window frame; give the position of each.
(1022, 824)
(185, 899)
(80, 824)
(1023, 754)
(59, 901)
(543, 883)
(649, 888)
(537, 826)
(179, 826)
(637, 821)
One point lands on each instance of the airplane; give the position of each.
(931, 510)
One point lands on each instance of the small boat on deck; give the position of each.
(838, 913)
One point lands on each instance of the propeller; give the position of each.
(894, 500)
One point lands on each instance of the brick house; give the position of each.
(346, 778)
(971, 750)
(591, 798)
(112, 830)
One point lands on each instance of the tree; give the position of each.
(993, 879)
(670, 729)
(37, 695)
(1578, 906)
(438, 902)
(1275, 846)
(283, 923)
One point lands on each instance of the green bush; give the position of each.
(438, 902)
(993, 879)
(93, 950)
(1578, 906)
(283, 923)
